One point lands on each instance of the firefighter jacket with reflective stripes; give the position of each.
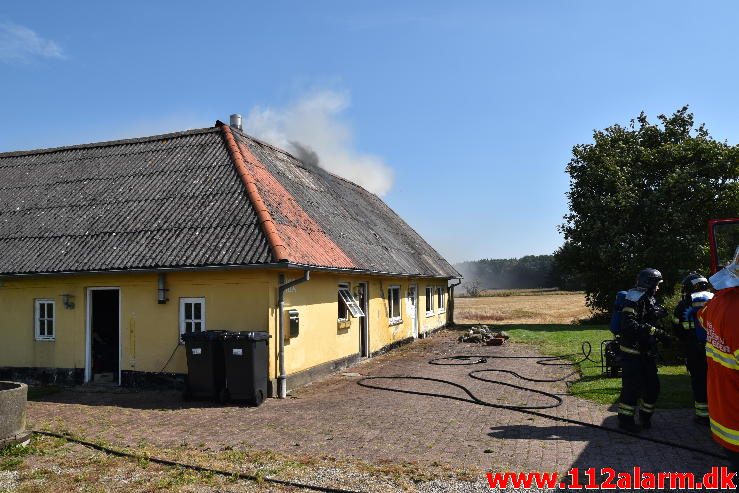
(720, 317)
(639, 314)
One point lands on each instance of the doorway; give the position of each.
(413, 309)
(362, 299)
(103, 336)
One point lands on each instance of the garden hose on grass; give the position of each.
(463, 360)
(193, 467)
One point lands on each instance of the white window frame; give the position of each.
(183, 320)
(399, 318)
(38, 320)
(339, 300)
(440, 305)
(430, 301)
(352, 306)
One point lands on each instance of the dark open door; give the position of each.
(105, 316)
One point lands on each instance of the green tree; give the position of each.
(641, 196)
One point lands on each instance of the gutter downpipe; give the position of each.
(282, 378)
(450, 317)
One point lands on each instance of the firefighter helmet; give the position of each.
(694, 283)
(649, 279)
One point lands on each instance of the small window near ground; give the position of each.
(440, 299)
(192, 315)
(348, 304)
(44, 320)
(393, 302)
(429, 301)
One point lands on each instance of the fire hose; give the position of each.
(194, 467)
(464, 360)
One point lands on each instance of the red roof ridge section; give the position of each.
(265, 218)
(303, 239)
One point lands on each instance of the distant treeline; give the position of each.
(531, 271)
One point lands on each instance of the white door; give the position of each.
(412, 309)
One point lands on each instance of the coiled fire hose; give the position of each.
(472, 359)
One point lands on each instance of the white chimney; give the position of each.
(236, 121)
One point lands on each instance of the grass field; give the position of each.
(551, 322)
(526, 307)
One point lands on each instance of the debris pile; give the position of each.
(484, 336)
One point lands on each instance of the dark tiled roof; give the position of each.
(184, 200)
(166, 201)
(373, 236)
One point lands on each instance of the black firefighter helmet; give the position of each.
(648, 279)
(694, 283)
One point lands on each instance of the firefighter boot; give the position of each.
(645, 419)
(701, 414)
(626, 422)
(645, 414)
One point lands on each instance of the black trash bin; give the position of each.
(246, 360)
(205, 367)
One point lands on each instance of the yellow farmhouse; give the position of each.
(110, 251)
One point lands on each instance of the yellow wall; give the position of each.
(235, 300)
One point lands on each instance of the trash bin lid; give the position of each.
(205, 334)
(252, 336)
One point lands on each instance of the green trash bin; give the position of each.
(205, 368)
(246, 358)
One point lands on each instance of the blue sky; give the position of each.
(470, 109)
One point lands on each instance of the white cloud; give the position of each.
(20, 44)
(313, 123)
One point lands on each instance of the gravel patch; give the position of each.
(8, 480)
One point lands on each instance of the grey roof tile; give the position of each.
(360, 223)
(164, 201)
(176, 201)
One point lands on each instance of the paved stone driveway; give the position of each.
(337, 417)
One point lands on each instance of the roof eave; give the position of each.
(209, 268)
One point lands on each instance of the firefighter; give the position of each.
(638, 347)
(720, 317)
(691, 334)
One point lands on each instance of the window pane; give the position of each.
(49, 310)
(395, 303)
(50, 328)
(197, 309)
(188, 311)
(198, 327)
(42, 328)
(188, 327)
(342, 306)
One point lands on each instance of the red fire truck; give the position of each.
(723, 236)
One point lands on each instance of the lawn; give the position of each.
(558, 340)
(551, 322)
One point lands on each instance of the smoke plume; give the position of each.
(313, 131)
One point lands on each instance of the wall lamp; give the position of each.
(162, 290)
(68, 301)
